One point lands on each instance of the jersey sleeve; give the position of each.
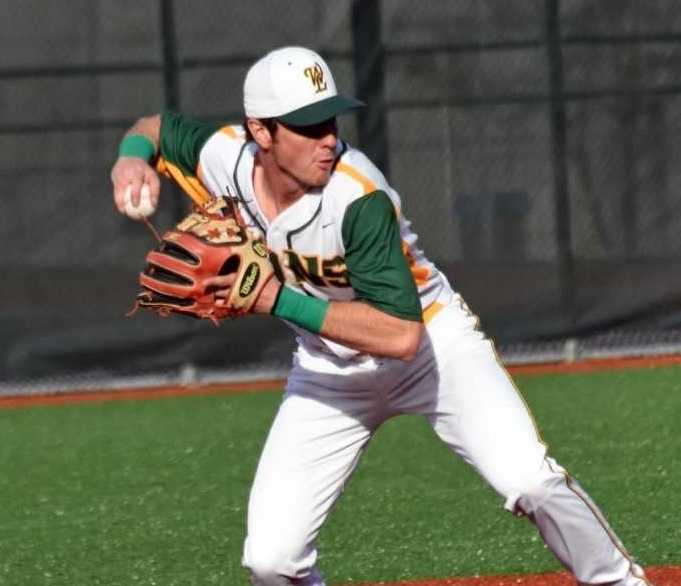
(182, 139)
(377, 269)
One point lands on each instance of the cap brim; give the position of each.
(321, 111)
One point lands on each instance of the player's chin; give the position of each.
(320, 176)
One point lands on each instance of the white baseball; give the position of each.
(145, 207)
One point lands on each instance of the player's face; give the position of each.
(307, 154)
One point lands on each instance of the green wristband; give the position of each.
(302, 310)
(137, 145)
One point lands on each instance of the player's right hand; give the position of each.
(135, 172)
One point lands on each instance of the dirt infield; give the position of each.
(138, 394)
(659, 576)
(595, 365)
(144, 393)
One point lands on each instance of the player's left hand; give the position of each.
(210, 266)
(222, 289)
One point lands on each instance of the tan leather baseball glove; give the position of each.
(210, 241)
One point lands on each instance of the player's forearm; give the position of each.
(367, 329)
(133, 169)
(353, 323)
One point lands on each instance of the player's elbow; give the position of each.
(148, 126)
(406, 344)
(152, 121)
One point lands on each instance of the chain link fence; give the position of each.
(535, 145)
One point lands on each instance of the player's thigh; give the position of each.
(311, 450)
(481, 415)
(477, 410)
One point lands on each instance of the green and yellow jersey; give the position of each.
(345, 241)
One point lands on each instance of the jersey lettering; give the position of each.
(335, 272)
(320, 272)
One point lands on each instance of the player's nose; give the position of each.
(329, 133)
(330, 140)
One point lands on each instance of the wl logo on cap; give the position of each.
(316, 75)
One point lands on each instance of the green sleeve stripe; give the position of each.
(182, 139)
(377, 268)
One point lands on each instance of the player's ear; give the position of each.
(261, 134)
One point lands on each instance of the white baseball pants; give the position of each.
(457, 383)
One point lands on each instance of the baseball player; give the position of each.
(380, 330)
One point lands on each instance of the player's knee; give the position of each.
(265, 566)
(526, 495)
(272, 564)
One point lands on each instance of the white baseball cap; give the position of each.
(294, 85)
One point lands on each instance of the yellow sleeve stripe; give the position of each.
(190, 185)
(420, 273)
(229, 131)
(431, 311)
(199, 174)
(367, 185)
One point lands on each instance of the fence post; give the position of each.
(171, 68)
(559, 160)
(368, 63)
(169, 45)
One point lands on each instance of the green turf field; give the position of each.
(153, 492)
